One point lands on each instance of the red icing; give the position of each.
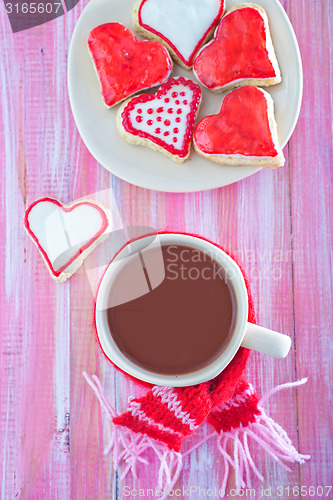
(187, 62)
(125, 65)
(183, 149)
(241, 127)
(105, 224)
(238, 51)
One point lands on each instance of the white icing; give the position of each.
(182, 22)
(61, 234)
(165, 116)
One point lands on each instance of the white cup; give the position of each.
(244, 334)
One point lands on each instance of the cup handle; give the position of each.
(266, 341)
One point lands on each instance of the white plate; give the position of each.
(145, 167)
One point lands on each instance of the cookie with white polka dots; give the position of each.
(164, 121)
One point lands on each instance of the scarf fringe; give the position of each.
(129, 447)
(269, 435)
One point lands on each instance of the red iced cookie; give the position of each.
(241, 53)
(125, 65)
(66, 234)
(243, 133)
(164, 121)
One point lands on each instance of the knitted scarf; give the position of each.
(165, 416)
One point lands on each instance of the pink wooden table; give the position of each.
(279, 222)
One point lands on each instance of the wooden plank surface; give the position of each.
(279, 223)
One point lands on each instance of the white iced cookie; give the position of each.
(183, 26)
(164, 121)
(66, 234)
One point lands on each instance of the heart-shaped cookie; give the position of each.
(241, 53)
(243, 133)
(183, 26)
(125, 65)
(66, 234)
(164, 121)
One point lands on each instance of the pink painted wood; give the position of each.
(279, 223)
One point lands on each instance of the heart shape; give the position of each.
(241, 53)
(125, 65)
(164, 121)
(243, 133)
(183, 25)
(65, 235)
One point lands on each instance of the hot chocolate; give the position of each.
(181, 325)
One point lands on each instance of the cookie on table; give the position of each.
(241, 53)
(125, 65)
(183, 26)
(164, 121)
(66, 234)
(244, 132)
